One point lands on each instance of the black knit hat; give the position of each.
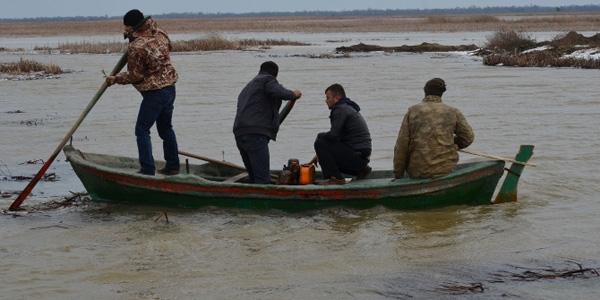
(133, 18)
(435, 86)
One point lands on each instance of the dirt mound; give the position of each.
(424, 47)
(573, 38)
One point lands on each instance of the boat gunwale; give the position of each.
(359, 189)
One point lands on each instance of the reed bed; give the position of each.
(213, 43)
(509, 48)
(210, 43)
(89, 47)
(589, 21)
(540, 59)
(25, 66)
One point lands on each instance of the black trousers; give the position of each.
(337, 158)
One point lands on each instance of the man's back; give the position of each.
(430, 135)
(432, 151)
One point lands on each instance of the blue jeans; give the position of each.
(254, 149)
(157, 107)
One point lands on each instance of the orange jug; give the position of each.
(307, 174)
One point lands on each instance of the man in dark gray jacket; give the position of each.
(346, 147)
(257, 120)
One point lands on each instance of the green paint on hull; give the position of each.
(112, 178)
(508, 191)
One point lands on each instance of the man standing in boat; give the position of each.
(150, 71)
(430, 135)
(346, 147)
(257, 120)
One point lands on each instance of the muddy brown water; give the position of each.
(109, 251)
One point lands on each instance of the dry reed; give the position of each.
(24, 66)
(210, 43)
(213, 43)
(540, 59)
(89, 47)
(508, 48)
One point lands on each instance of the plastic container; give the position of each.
(307, 174)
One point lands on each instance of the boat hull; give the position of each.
(111, 178)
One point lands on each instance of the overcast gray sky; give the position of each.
(71, 8)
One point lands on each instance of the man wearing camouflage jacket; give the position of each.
(150, 71)
(430, 135)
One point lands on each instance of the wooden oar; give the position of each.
(216, 161)
(212, 160)
(15, 205)
(497, 157)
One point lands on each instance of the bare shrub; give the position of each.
(510, 40)
(25, 66)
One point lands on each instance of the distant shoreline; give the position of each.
(471, 10)
(541, 22)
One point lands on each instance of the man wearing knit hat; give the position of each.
(150, 71)
(430, 135)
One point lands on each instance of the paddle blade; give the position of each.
(508, 191)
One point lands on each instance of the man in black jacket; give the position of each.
(257, 120)
(346, 147)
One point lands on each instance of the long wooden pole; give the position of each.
(497, 157)
(15, 205)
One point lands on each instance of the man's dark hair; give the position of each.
(337, 89)
(270, 67)
(435, 86)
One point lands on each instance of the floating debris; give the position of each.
(462, 288)
(550, 273)
(33, 162)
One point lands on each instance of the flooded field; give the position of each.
(108, 251)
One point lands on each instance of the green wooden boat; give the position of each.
(114, 178)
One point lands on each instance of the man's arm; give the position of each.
(401, 149)
(464, 135)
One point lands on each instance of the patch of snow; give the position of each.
(591, 53)
(542, 48)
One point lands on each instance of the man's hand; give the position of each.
(110, 80)
(298, 94)
(314, 161)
